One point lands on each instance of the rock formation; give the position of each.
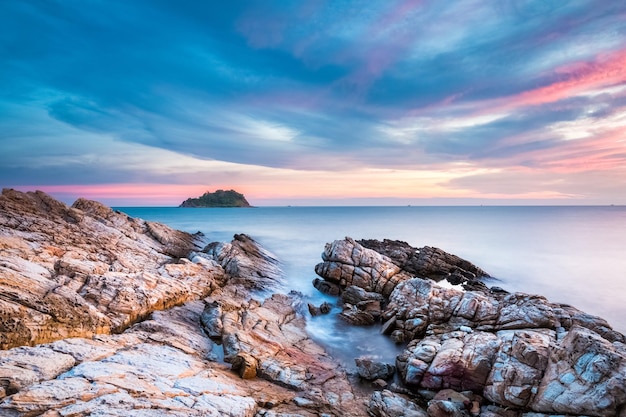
(103, 314)
(85, 270)
(518, 351)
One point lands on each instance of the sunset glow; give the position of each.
(313, 102)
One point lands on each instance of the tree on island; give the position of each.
(220, 198)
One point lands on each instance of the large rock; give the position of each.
(85, 270)
(517, 350)
(426, 262)
(247, 263)
(71, 276)
(379, 266)
(422, 307)
(371, 369)
(347, 263)
(388, 404)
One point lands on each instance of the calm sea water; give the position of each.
(573, 255)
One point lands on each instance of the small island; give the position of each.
(220, 198)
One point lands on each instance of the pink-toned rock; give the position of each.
(517, 350)
(87, 269)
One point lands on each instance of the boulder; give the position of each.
(388, 404)
(247, 263)
(245, 364)
(355, 295)
(371, 369)
(426, 262)
(323, 308)
(376, 266)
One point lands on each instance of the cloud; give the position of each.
(172, 89)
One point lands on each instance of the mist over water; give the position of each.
(572, 255)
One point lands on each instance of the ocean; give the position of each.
(571, 255)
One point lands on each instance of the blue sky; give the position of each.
(315, 102)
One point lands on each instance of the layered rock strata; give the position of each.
(102, 314)
(108, 315)
(85, 270)
(519, 352)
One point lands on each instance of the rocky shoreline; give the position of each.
(102, 314)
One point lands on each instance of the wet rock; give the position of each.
(323, 308)
(356, 317)
(371, 369)
(211, 319)
(247, 263)
(446, 408)
(388, 404)
(347, 263)
(355, 295)
(326, 287)
(426, 262)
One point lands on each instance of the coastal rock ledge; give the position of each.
(105, 315)
(514, 354)
(102, 314)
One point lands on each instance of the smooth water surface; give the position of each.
(573, 255)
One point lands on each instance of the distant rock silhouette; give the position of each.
(220, 198)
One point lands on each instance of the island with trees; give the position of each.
(219, 198)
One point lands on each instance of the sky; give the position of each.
(315, 102)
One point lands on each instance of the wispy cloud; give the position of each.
(322, 92)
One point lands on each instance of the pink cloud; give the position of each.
(387, 42)
(606, 70)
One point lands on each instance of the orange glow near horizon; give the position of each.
(279, 184)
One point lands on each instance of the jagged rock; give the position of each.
(371, 369)
(85, 270)
(347, 263)
(585, 374)
(426, 262)
(377, 266)
(449, 403)
(211, 319)
(326, 287)
(355, 316)
(77, 271)
(355, 295)
(160, 365)
(247, 263)
(324, 308)
(446, 408)
(422, 305)
(518, 350)
(388, 404)
(527, 369)
(246, 365)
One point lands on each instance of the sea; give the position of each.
(571, 255)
